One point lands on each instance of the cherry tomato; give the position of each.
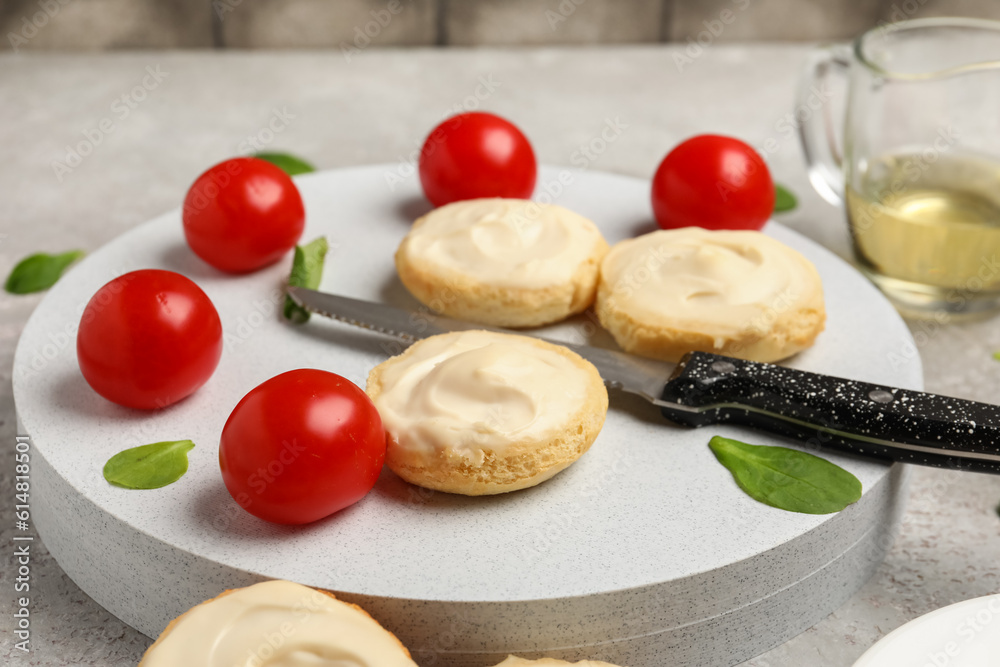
(243, 214)
(475, 155)
(713, 182)
(301, 446)
(148, 339)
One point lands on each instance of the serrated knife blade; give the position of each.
(634, 375)
(828, 412)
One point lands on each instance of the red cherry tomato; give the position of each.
(243, 214)
(713, 182)
(148, 339)
(301, 446)
(475, 155)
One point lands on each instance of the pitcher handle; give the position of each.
(824, 157)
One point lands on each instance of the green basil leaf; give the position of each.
(996, 355)
(307, 269)
(291, 164)
(787, 478)
(40, 271)
(149, 466)
(784, 200)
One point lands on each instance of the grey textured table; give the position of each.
(150, 122)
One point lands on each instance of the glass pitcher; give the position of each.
(919, 169)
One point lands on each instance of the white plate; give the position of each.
(646, 541)
(965, 634)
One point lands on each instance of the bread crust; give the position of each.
(170, 626)
(522, 464)
(514, 661)
(456, 294)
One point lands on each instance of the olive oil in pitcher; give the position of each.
(931, 219)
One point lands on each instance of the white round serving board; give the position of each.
(643, 553)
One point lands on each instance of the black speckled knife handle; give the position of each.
(829, 412)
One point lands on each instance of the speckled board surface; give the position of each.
(647, 520)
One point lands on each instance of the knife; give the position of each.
(823, 411)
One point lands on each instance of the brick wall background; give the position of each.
(344, 24)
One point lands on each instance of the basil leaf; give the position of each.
(784, 200)
(787, 478)
(40, 271)
(307, 269)
(149, 466)
(996, 355)
(291, 164)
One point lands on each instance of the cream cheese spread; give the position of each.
(719, 282)
(277, 624)
(479, 391)
(505, 242)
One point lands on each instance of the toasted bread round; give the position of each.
(502, 262)
(736, 293)
(226, 629)
(514, 661)
(479, 412)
